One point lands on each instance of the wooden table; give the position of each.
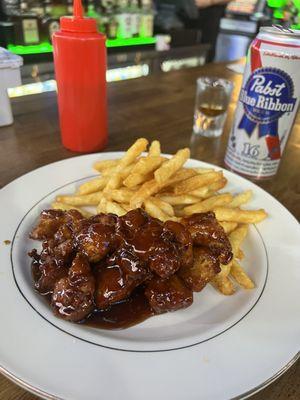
(160, 107)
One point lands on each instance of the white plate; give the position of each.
(219, 348)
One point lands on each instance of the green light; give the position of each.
(278, 14)
(31, 49)
(47, 47)
(130, 41)
(276, 3)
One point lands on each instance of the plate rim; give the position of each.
(47, 396)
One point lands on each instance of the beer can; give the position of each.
(267, 105)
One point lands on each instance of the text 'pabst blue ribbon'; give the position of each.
(267, 95)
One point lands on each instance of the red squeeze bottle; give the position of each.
(80, 68)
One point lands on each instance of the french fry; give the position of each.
(215, 186)
(200, 193)
(126, 207)
(147, 164)
(208, 191)
(179, 176)
(132, 153)
(208, 204)
(203, 170)
(134, 180)
(225, 269)
(122, 195)
(228, 226)
(163, 205)
(240, 199)
(101, 208)
(241, 276)
(240, 216)
(105, 164)
(240, 254)
(182, 199)
(221, 281)
(154, 149)
(66, 207)
(146, 190)
(236, 238)
(155, 212)
(142, 170)
(224, 285)
(129, 157)
(124, 172)
(178, 211)
(171, 166)
(114, 182)
(93, 185)
(116, 178)
(196, 182)
(115, 208)
(91, 199)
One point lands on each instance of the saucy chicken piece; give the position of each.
(73, 295)
(96, 240)
(182, 236)
(46, 272)
(168, 294)
(204, 268)
(133, 220)
(171, 249)
(207, 232)
(50, 221)
(164, 247)
(117, 277)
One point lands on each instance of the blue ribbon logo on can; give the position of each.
(267, 95)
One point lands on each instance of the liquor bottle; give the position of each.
(93, 13)
(49, 23)
(135, 18)
(70, 7)
(26, 26)
(147, 19)
(59, 8)
(36, 7)
(112, 27)
(123, 18)
(110, 23)
(9, 7)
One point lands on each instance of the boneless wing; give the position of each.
(117, 277)
(168, 294)
(51, 220)
(73, 295)
(207, 232)
(204, 268)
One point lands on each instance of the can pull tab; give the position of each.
(77, 9)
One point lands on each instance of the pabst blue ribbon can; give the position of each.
(267, 104)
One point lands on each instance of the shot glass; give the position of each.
(212, 99)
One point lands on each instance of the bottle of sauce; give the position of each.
(80, 67)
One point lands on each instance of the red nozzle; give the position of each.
(77, 9)
(78, 23)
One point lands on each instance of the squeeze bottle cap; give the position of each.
(78, 23)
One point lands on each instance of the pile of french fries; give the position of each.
(168, 191)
